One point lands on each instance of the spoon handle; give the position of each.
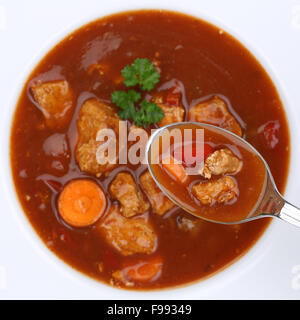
(290, 213)
(274, 205)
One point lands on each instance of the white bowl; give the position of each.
(216, 286)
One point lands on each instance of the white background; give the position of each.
(270, 270)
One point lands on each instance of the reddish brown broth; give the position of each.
(207, 62)
(249, 187)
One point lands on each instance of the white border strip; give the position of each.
(3, 278)
(3, 18)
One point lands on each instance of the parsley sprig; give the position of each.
(125, 101)
(148, 113)
(142, 73)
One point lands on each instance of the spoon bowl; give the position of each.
(269, 202)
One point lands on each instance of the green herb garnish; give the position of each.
(125, 101)
(143, 73)
(148, 113)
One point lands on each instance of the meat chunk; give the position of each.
(218, 191)
(94, 116)
(221, 162)
(215, 112)
(124, 189)
(173, 113)
(128, 236)
(189, 225)
(160, 203)
(137, 142)
(137, 132)
(56, 145)
(55, 100)
(185, 224)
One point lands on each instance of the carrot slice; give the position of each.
(144, 271)
(175, 168)
(81, 203)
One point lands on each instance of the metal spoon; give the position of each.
(270, 204)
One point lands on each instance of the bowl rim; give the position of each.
(223, 276)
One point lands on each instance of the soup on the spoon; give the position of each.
(208, 172)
